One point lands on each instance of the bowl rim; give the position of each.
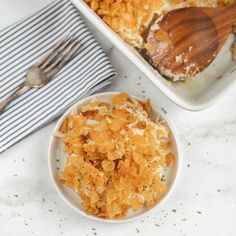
(83, 213)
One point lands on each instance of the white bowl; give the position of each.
(57, 158)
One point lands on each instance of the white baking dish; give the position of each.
(195, 94)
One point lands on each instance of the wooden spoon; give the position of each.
(187, 40)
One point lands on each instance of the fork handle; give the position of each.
(5, 102)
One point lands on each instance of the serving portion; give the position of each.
(120, 157)
(137, 23)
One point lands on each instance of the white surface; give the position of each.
(30, 205)
(57, 157)
(196, 94)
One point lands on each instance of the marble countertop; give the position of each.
(203, 202)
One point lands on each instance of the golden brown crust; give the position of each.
(116, 156)
(129, 18)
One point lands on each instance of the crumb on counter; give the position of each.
(234, 51)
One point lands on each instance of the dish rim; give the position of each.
(83, 213)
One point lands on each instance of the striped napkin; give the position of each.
(21, 45)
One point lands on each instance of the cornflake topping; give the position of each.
(116, 156)
(131, 18)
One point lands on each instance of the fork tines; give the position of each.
(59, 55)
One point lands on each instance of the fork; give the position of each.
(45, 68)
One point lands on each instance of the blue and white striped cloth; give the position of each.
(21, 45)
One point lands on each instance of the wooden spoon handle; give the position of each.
(223, 16)
(231, 14)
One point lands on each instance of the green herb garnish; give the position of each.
(164, 110)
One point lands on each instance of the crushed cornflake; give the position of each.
(116, 156)
(131, 18)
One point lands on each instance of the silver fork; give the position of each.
(45, 68)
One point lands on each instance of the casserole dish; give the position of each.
(194, 94)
